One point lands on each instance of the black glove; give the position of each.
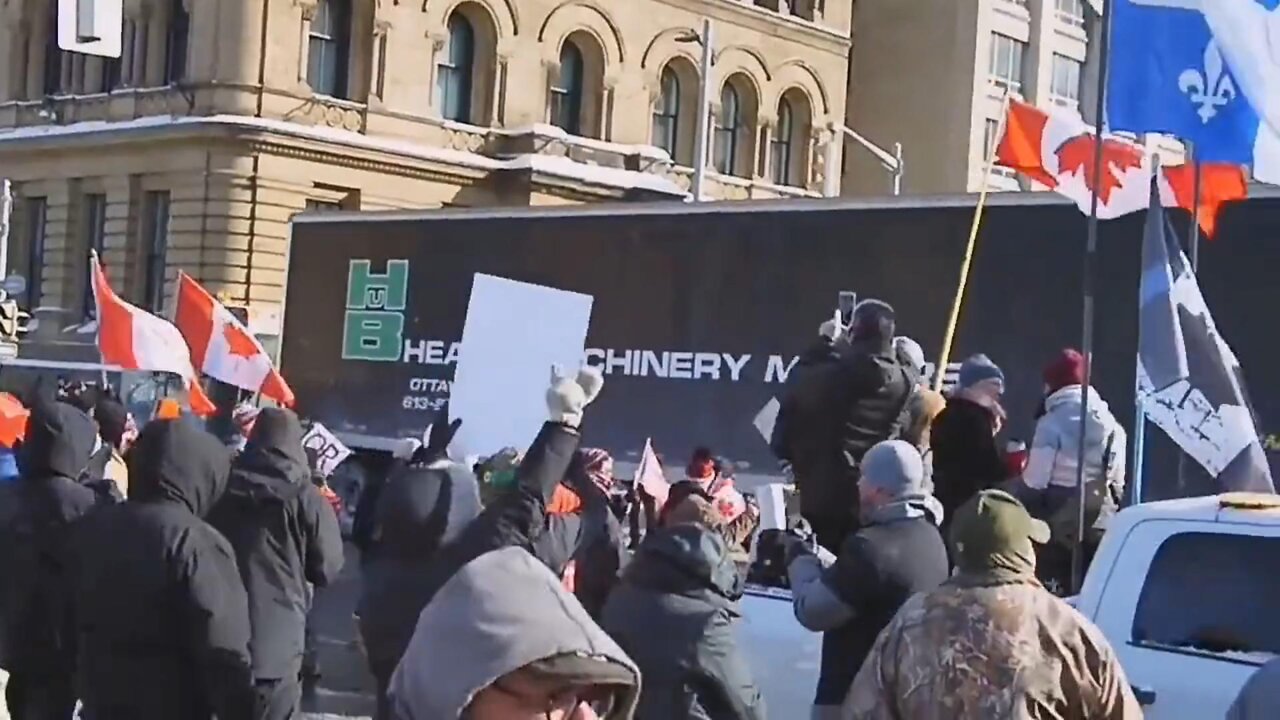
(439, 436)
(799, 540)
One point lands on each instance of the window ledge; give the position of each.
(339, 102)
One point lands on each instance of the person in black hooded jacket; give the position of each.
(423, 505)
(37, 514)
(848, 393)
(161, 613)
(285, 535)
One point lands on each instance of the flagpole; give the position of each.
(954, 319)
(1139, 407)
(1087, 282)
(1194, 243)
(1195, 210)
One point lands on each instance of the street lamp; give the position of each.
(705, 38)
(890, 161)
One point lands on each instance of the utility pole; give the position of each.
(702, 141)
(6, 221)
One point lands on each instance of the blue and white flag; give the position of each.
(1206, 71)
(1189, 381)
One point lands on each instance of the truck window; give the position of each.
(1212, 593)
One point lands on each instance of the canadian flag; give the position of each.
(222, 347)
(1058, 152)
(134, 339)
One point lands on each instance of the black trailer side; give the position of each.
(700, 309)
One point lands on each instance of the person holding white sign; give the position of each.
(501, 636)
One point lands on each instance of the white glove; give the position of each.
(569, 396)
(832, 328)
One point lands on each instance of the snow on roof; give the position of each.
(550, 165)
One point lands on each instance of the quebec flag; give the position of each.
(1206, 71)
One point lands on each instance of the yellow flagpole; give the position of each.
(949, 337)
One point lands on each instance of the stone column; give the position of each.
(378, 64)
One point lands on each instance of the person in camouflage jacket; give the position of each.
(991, 642)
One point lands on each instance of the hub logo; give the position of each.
(373, 325)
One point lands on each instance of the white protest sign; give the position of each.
(773, 506)
(330, 452)
(513, 334)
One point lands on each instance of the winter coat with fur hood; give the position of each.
(421, 507)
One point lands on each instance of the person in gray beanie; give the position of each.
(853, 596)
(966, 458)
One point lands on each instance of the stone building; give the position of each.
(224, 118)
(933, 76)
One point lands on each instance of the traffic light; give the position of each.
(10, 320)
(13, 321)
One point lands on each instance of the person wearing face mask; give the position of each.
(966, 458)
(991, 642)
(896, 553)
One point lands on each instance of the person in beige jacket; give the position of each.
(117, 430)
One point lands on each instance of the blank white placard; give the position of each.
(513, 334)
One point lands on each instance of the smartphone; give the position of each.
(846, 302)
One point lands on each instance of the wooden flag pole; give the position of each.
(949, 336)
(1087, 282)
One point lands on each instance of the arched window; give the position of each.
(455, 71)
(781, 150)
(329, 48)
(566, 91)
(729, 130)
(666, 117)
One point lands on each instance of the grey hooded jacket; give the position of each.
(501, 612)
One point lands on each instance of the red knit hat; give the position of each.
(1066, 369)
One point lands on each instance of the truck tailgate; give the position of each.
(784, 657)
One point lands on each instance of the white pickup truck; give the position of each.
(1187, 591)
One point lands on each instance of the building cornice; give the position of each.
(332, 146)
(770, 22)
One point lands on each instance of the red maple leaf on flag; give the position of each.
(238, 343)
(1077, 154)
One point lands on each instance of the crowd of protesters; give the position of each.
(159, 574)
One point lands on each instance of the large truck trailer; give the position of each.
(701, 309)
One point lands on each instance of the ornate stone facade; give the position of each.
(223, 119)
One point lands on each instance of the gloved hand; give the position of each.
(832, 328)
(438, 438)
(799, 540)
(569, 396)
